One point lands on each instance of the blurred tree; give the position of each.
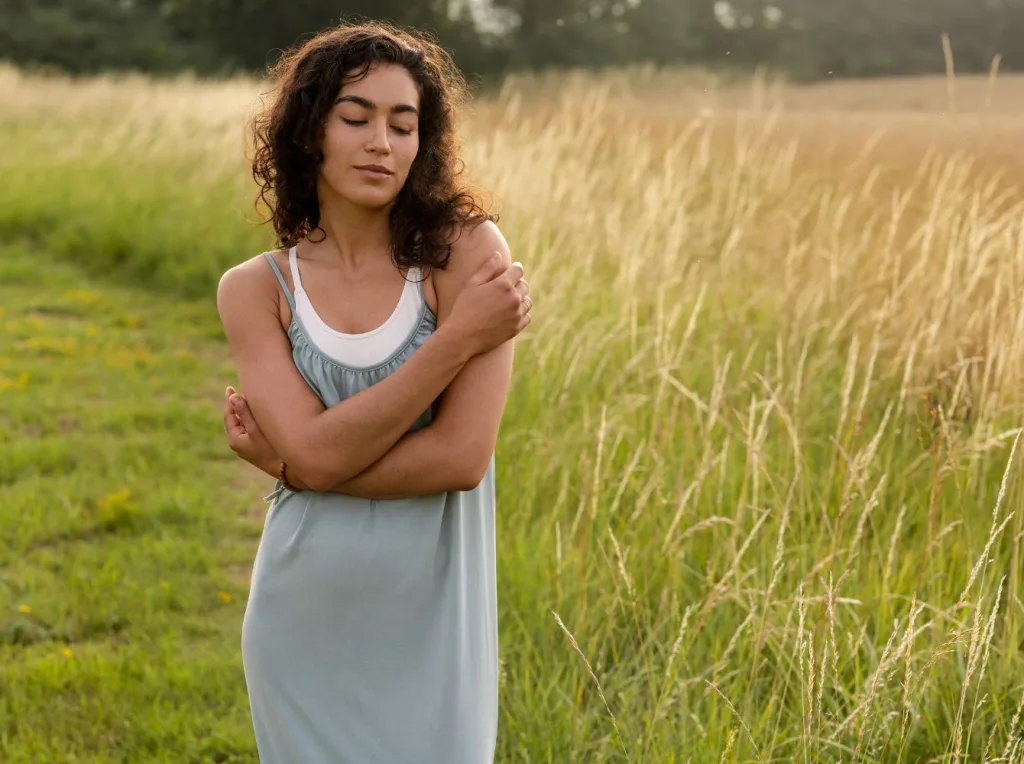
(207, 36)
(809, 38)
(81, 36)
(545, 33)
(669, 31)
(876, 37)
(248, 33)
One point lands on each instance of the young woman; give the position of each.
(375, 352)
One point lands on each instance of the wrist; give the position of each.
(454, 342)
(282, 475)
(272, 466)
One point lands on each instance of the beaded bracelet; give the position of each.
(284, 479)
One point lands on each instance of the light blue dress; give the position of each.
(371, 631)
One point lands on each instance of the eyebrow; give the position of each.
(401, 108)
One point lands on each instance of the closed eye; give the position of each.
(360, 122)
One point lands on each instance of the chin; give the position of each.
(370, 198)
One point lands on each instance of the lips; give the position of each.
(376, 168)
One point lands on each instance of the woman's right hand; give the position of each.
(493, 307)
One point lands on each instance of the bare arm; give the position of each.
(420, 464)
(454, 451)
(327, 447)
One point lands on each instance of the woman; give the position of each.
(375, 352)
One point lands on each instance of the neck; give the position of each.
(356, 236)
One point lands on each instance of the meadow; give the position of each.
(760, 489)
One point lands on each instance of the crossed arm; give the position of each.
(360, 446)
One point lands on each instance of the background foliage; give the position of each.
(806, 38)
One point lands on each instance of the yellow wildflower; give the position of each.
(47, 344)
(83, 296)
(224, 596)
(114, 502)
(25, 608)
(7, 383)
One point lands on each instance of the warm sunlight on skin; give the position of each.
(370, 138)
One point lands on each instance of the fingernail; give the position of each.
(236, 403)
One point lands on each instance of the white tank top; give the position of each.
(368, 348)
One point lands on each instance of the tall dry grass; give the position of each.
(760, 493)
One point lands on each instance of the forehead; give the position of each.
(385, 85)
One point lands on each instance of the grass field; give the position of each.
(759, 492)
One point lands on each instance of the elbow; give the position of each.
(464, 461)
(318, 482)
(470, 470)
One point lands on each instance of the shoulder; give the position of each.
(248, 286)
(472, 245)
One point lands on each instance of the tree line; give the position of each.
(806, 38)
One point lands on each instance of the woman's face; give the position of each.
(371, 137)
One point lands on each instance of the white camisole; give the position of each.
(368, 348)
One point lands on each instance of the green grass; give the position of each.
(713, 473)
(128, 526)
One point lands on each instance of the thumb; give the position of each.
(243, 412)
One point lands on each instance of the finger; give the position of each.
(233, 429)
(522, 288)
(230, 420)
(489, 269)
(244, 413)
(527, 305)
(514, 273)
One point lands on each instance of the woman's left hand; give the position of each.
(245, 436)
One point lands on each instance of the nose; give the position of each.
(378, 143)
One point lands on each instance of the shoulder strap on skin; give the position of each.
(293, 263)
(280, 279)
(415, 277)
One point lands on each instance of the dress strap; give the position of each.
(280, 279)
(415, 276)
(293, 263)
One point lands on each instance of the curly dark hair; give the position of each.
(288, 135)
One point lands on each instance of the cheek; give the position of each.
(337, 152)
(409, 150)
(335, 143)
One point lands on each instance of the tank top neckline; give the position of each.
(409, 291)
